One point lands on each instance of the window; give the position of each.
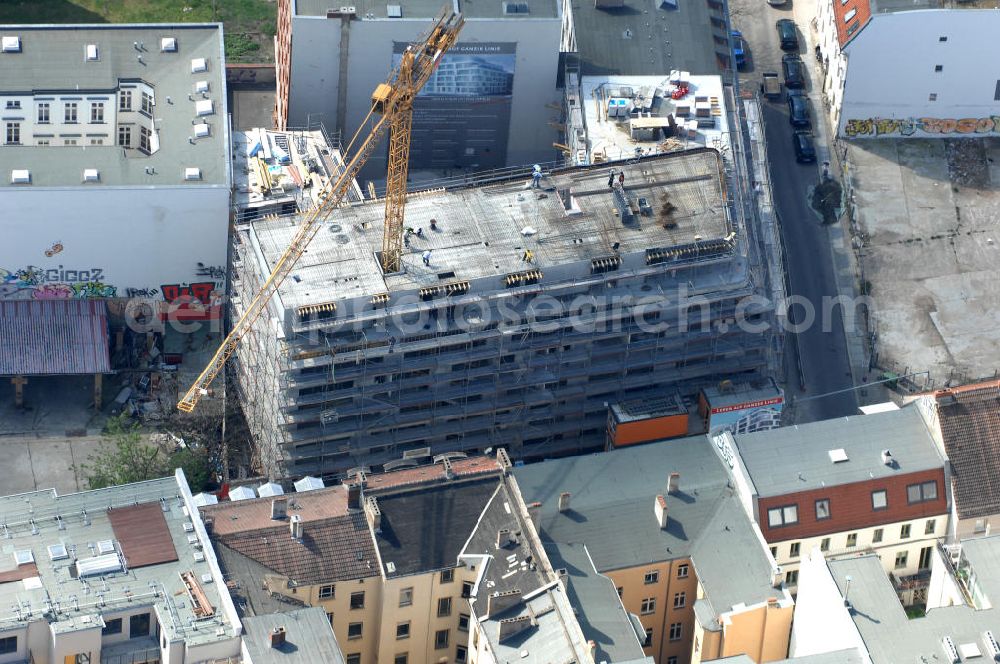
(113, 626)
(144, 139)
(440, 639)
(648, 641)
(824, 544)
(877, 536)
(793, 550)
(358, 600)
(125, 100)
(466, 589)
(354, 630)
(929, 527)
(13, 133)
(620, 590)
(125, 136)
(672, 659)
(774, 552)
(444, 607)
(463, 622)
(406, 596)
(13, 104)
(925, 558)
(96, 112)
(8, 644)
(680, 600)
(651, 577)
(904, 531)
(879, 500)
(42, 141)
(403, 630)
(461, 654)
(329, 616)
(447, 575)
(327, 592)
(69, 141)
(147, 103)
(938, 68)
(822, 509)
(942, 39)
(851, 13)
(97, 141)
(901, 559)
(782, 516)
(675, 631)
(980, 526)
(682, 571)
(791, 577)
(852, 540)
(354, 658)
(138, 625)
(43, 112)
(69, 112)
(921, 493)
(932, 96)
(400, 659)
(648, 606)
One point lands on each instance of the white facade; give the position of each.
(316, 69)
(923, 73)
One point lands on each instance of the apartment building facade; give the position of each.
(870, 483)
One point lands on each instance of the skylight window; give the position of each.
(58, 552)
(198, 65)
(91, 175)
(10, 44)
(201, 130)
(20, 176)
(849, 15)
(24, 557)
(192, 173)
(168, 45)
(204, 107)
(201, 86)
(105, 547)
(91, 53)
(838, 455)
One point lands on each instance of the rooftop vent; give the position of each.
(168, 45)
(204, 107)
(201, 86)
(887, 457)
(10, 44)
(91, 53)
(394, 11)
(198, 65)
(838, 455)
(105, 547)
(58, 552)
(98, 565)
(91, 175)
(20, 177)
(564, 501)
(969, 651)
(24, 557)
(192, 173)
(202, 130)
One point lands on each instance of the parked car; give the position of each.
(805, 149)
(798, 110)
(787, 35)
(739, 50)
(794, 71)
(770, 86)
(776, 3)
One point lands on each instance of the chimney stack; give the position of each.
(660, 510)
(354, 497)
(564, 501)
(778, 578)
(278, 637)
(295, 526)
(887, 457)
(279, 508)
(373, 513)
(535, 513)
(674, 483)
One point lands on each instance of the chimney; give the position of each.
(354, 497)
(887, 457)
(448, 472)
(279, 508)
(278, 637)
(778, 577)
(498, 602)
(510, 626)
(295, 526)
(535, 513)
(373, 513)
(564, 501)
(772, 602)
(674, 483)
(660, 510)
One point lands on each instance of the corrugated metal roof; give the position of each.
(45, 337)
(143, 534)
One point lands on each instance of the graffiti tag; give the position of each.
(141, 292)
(211, 271)
(34, 283)
(33, 275)
(201, 291)
(931, 126)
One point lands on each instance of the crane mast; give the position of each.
(392, 106)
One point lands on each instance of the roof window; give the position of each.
(204, 107)
(838, 455)
(201, 86)
(24, 557)
(91, 175)
(851, 13)
(91, 53)
(58, 552)
(105, 547)
(10, 44)
(198, 65)
(394, 11)
(192, 173)
(20, 176)
(168, 45)
(202, 130)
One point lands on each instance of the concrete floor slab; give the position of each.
(31, 463)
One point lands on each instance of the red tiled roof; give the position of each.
(143, 534)
(847, 28)
(255, 514)
(970, 428)
(468, 467)
(53, 337)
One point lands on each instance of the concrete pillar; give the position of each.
(19, 382)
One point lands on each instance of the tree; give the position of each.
(123, 457)
(194, 463)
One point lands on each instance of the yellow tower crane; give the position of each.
(392, 107)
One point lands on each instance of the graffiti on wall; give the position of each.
(200, 292)
(217, 272)
(869, 127)
(35, 283)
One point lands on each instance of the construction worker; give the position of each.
(427, 257)
(528, 256)
(611, 179)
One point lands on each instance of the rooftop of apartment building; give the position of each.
(850, 24)
(485, 231)
(185, 65)
(728, 394)
(304, 637)
(838, 451)
(969, 418)
(611, 510)
(892, 637)
(425, 9)
(72, 559)
(925, 210)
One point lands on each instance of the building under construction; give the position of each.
(524, 307)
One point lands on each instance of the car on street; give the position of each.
(776, 3)
(798, 110)
(739, 50)
(787, 35)
(794, 71)
(805, 149)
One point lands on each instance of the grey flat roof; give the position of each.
(427, 9)
(849, 656)
(598, 607)
(888, 634)
(52, 62)
(479, 230)
(796, 458)
(308, 638)
(740, 393)
(612, 500)
(640, 38)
